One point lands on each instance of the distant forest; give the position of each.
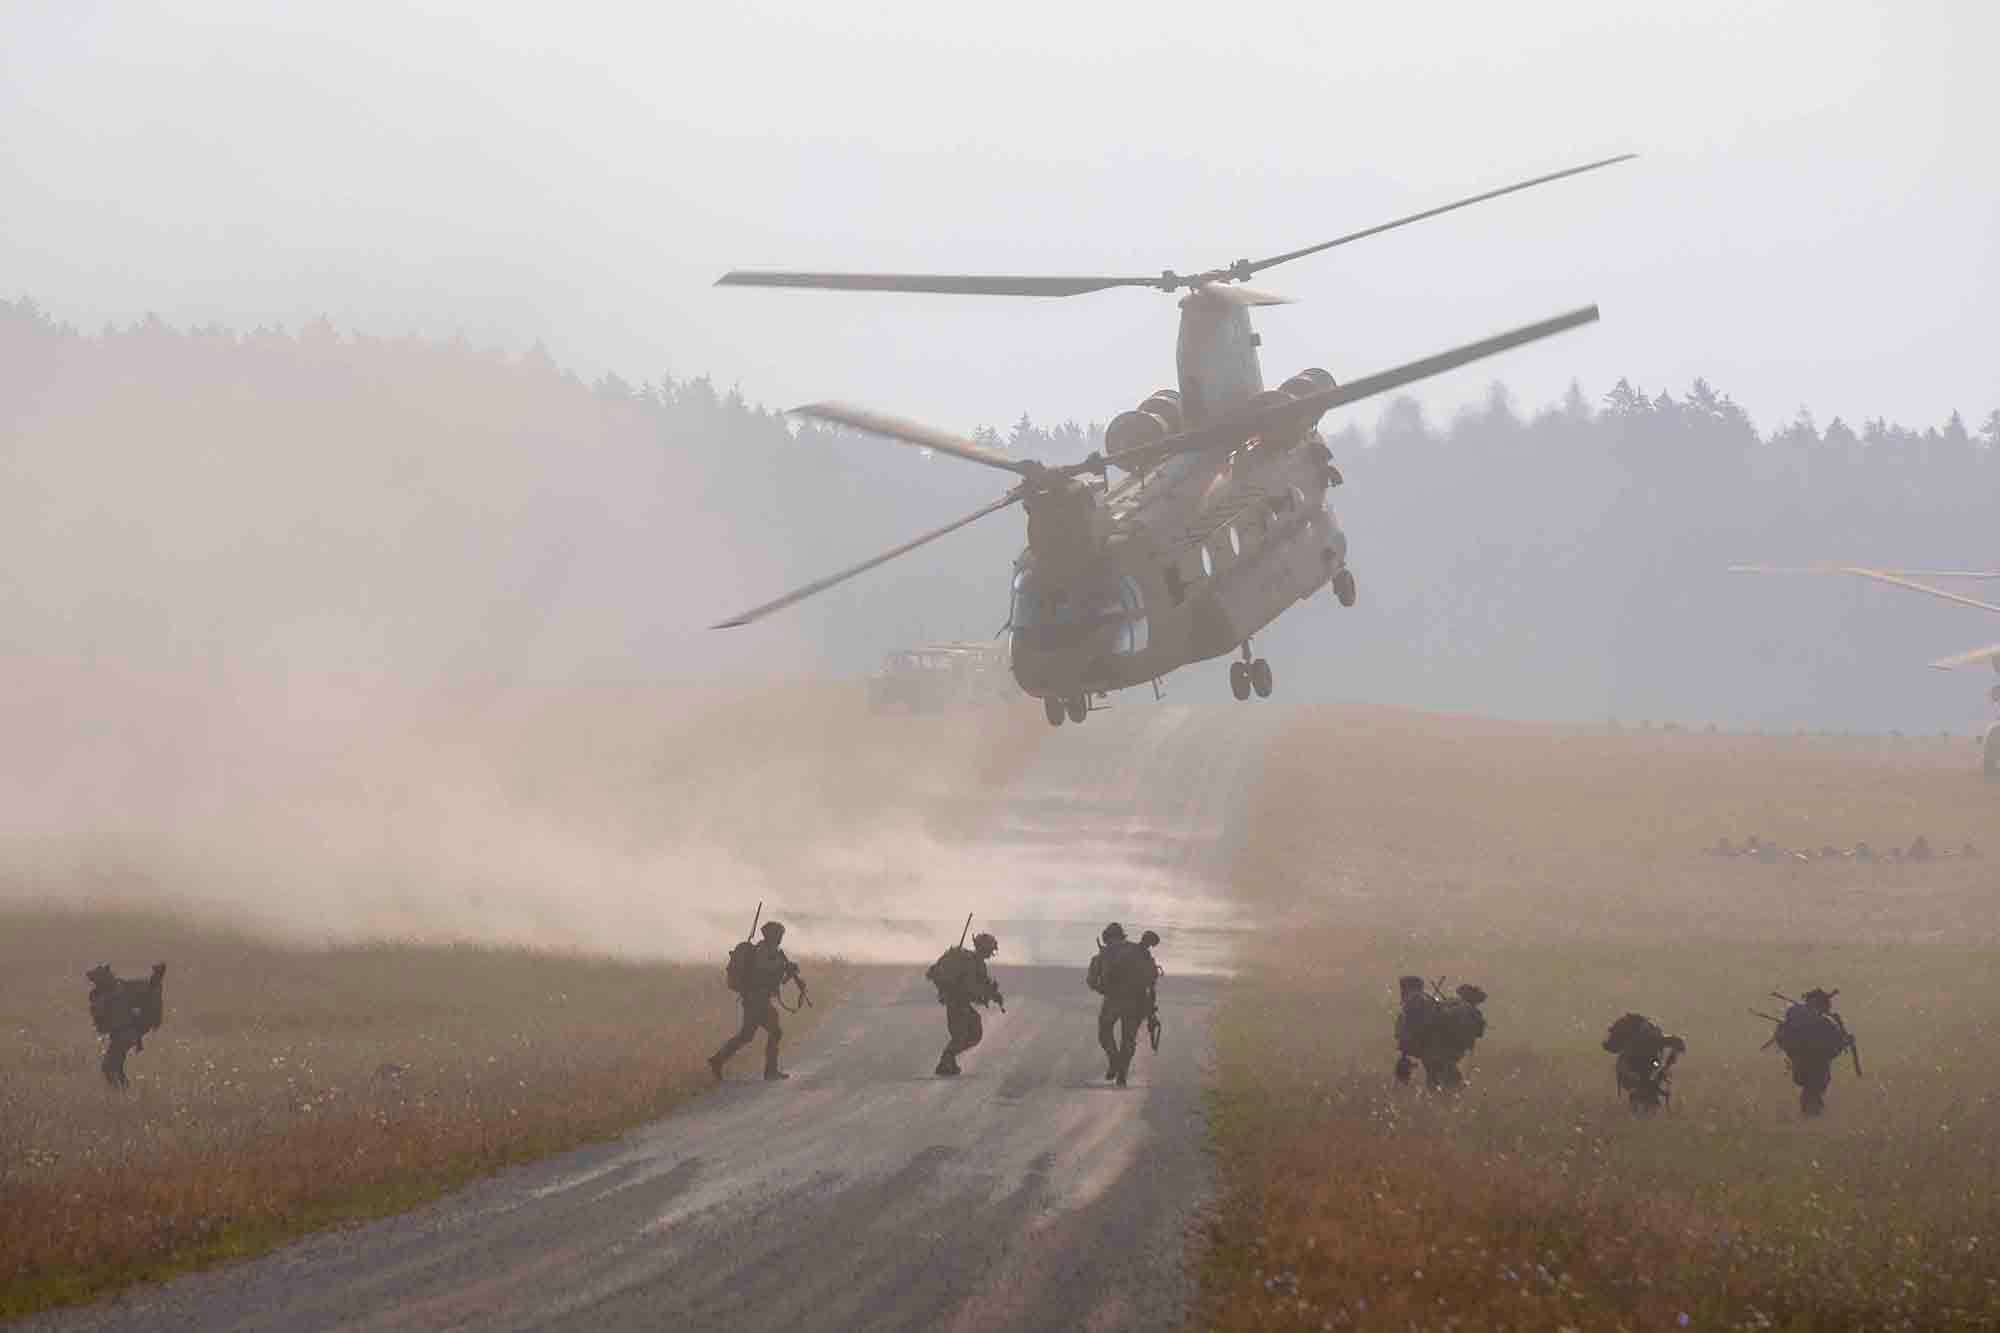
(1562, 563)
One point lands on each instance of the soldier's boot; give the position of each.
(1811, 1101)
(1110, 1066)
(1404, 1066)
(715, 1063)
(947, 1065)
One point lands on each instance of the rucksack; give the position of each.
(952, 972)
(1095, 978)
(742, 965)
(1809, 1035)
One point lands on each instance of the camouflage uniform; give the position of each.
(1437, 1033)
(962, 981)
(1126, 975)
(1812, 1036)
(1646, 1055)
(124, 1011)
(769, 969)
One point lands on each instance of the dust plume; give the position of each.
(341, 637)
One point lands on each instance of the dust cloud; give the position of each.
(340, 638)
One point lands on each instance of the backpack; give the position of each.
(741, 967)
(1095, 978)
(1807, 1035)
(952, 972)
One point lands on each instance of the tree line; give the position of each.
(501, 513)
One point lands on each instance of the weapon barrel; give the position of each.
(755, 919)
(1782, 999)
(961, 933)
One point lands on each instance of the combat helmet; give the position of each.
(1114, 931)
(985, 945)
(1150, 938)
(773, 931)
(1410, 985)
(101, 975)
(1821, 1000)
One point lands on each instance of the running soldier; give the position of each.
(755, 973)
(1646, 1056)
(1437, 1032)
(1124, 973)
(124, 1011)
(962, 981)
(1813, 1036)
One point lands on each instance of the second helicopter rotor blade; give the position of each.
(913, 432)
(1244, 270)
(1308, 408)
(818, 586)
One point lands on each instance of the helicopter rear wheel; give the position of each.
(1260, 678)
(1052, 709)
(1239, 680)
(1343, 587)
(1079, 708)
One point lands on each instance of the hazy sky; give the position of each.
(1813, 220)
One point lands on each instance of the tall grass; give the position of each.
(292, 1089)
(1560, 869)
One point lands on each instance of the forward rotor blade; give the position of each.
(821, 585)
(1990, 653)
(1245, 270)
(961, 284)
(1310, 407)
(913, 432)
(1893, 577)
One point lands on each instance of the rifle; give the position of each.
(1768, 1019)
(966, 927)
(1153, 1026)
(1853, 1045)
(755, 919)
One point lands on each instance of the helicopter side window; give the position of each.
(1207, 562)
(1135, 636)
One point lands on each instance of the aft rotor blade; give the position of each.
(1245, 270)
(1310, 407)
(960, 284)
(914, 432)
(821, 585)
(1990, 653)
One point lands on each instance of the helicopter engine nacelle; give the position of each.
(1066, 527)
(1310, 380)
(1131, 430)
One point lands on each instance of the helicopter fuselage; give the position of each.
(1189, 558)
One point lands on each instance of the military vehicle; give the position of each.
(939, 677)
(1909, 579)
(1217, 521)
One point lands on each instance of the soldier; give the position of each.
(1646, 1056)
(124, 1011)
(1813, 1036)
(1437, 1032)
(756, 972)
(1125, 974)
(962, 981)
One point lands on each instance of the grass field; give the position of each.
(1560, 869)
(292, 1089)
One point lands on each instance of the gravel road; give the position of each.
(864, 1193)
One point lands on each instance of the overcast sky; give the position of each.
(1813, 221)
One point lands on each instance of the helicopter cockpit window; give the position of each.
(1235, 542)
(1207, 562)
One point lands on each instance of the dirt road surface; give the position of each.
(864, 1193)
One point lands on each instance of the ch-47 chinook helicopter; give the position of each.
(1219, 521)
(1909, 579)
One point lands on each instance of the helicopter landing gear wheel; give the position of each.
(1343, 587)
(1260, 678)
(1052, 709)
(1239, 680)
(1079, 708)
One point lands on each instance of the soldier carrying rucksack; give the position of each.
(1436, 1032)
(124, 1011)
(962, 982)
(1646, 1055)
(1124, 973)
(756, 971)
(1812, 1036)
